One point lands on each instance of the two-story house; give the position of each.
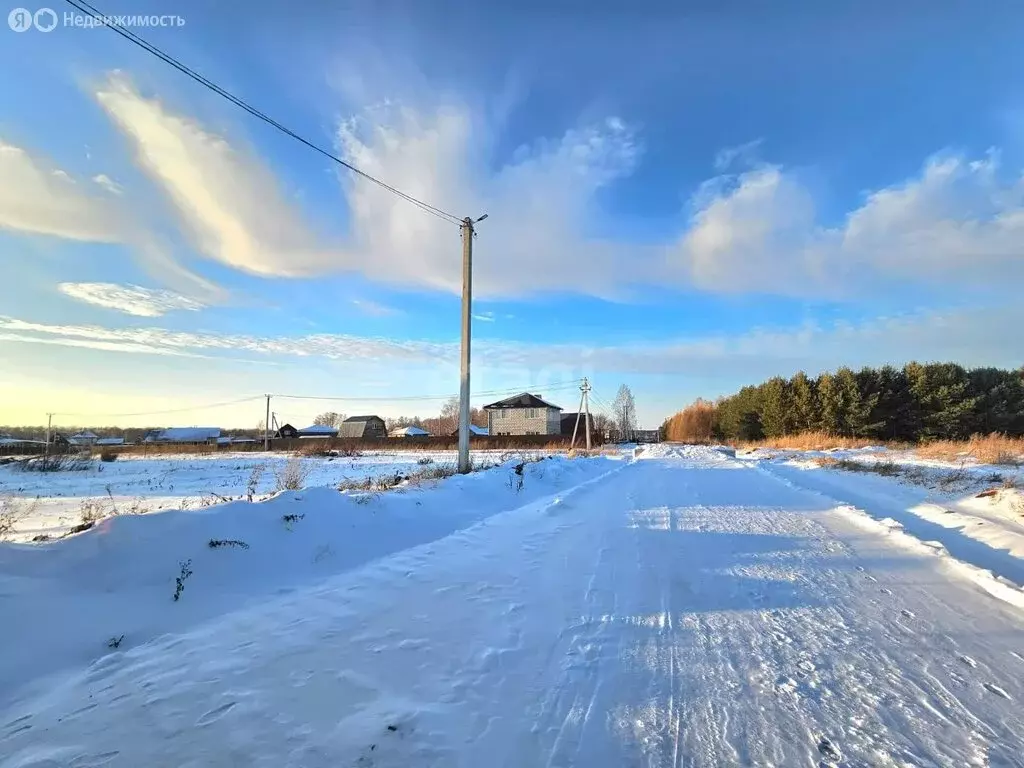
(523, 414)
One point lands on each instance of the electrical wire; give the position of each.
(169, 410)
(85, 7)
(415, 398)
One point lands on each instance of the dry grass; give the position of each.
(810, 441)
(948, 480)
(986, 449)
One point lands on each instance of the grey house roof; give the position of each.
(355, 419)
(523, 400)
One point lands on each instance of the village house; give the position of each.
(184, 435)
(286, 431)
(364, 427)
(83, 438)
(409, 431)
(523, 414)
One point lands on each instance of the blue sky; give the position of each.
(683, 199)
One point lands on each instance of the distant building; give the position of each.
(318, 430)
(364, 426)
(83, 438)
(474, 431)
(523, 414)
(286, 431)
(409, 431)
(108, 441)
(184, 435)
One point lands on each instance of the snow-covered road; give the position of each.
(686, 609)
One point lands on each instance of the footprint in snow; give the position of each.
(968, 661)
(885, 591)
(829, 751)
(907, 614)
(993, 688)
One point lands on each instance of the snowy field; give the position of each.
(50, 504)
(688, 607)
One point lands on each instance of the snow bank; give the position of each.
(60, 603)
(50, 503)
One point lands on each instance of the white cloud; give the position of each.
(40, 199)
(233, 208)
(130, 299)
(958, 222)
(755, 231)
(484, 317)
(107, 183)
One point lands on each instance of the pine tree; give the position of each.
(775, 411)
(802, 395)
(830, 406)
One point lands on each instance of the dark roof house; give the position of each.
(363, 426)
(286, 431)
(523, 414)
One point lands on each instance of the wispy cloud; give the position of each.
(130, 299)
(754, 231)
(234, 211)
(38, 198)
(374, 308)
(108, 184)
(484, 317)
(743, 153)
(966, 335)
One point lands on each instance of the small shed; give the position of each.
(364, 426)
(409, 431)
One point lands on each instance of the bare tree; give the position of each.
(624, 412)
(450, 414)
(329, 419)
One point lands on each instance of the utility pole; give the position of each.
(584, 410)
(467, 317)
(585, 387)
(266, 427)
(49, 425)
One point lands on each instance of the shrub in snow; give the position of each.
(115, 642)
(254, 481)
(13, 509)
(218, 543)
(292, 476)
(181, 578)
(60, 462)
(108, 456)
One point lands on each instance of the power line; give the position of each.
(416, 398)
(108, 21)
(167, 411)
